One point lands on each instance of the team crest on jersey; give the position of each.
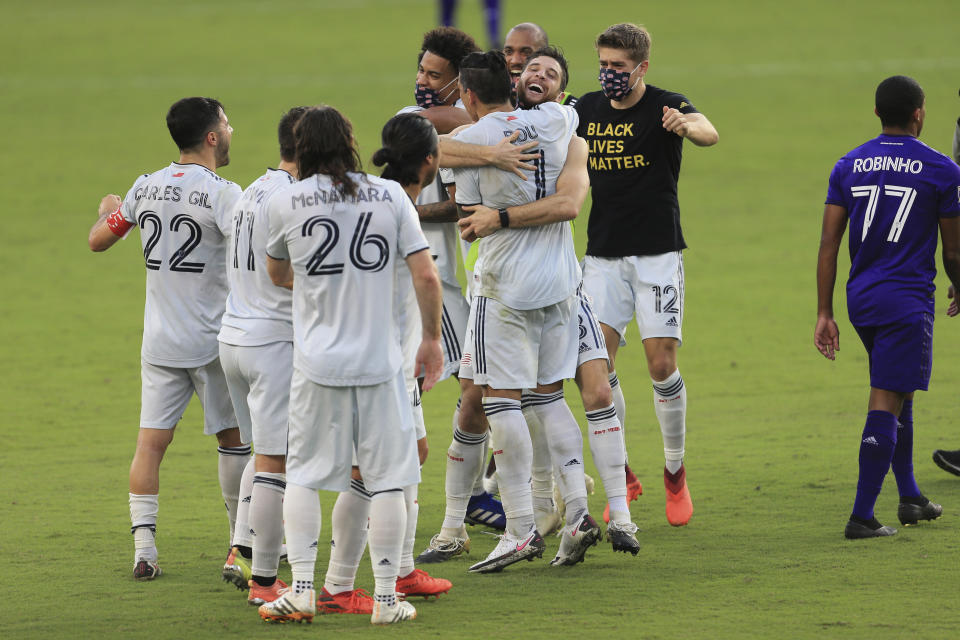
(178, 175)
(509, 118)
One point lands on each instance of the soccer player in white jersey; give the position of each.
(184, 213)
(543, 80)
(336, 238)
(410, 154)
(523, 314)
(256, 351)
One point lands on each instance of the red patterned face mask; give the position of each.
(427, 97)
(616, 84)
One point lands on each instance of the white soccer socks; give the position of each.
(143, 526)
(410, 535)
(566, 450)
(241, 529)
(348, 521)
(231, 463)
(388, 522)
(605, 436)
(670, 404)
(464, 466)
(514, 454)
(301, 517)
(618, 401)
(266, 522)
(542, 470)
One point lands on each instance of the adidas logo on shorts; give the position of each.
(584, 347)
(672, 322)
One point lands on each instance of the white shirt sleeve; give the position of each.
(468, 178)
(276, 240)
(226, 203)
(129, 206)
(410, 238)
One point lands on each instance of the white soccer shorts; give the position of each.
(591, 345)
(650, 287)
(327, 423)
(165, 393)
(259, 382)
(453, 327)
(518, 349)
(413, 391)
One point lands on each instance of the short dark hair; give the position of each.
(191, 119)
(632, 38)
(896, 100)
(487, 76)
(557, 54)
(407, 138)
(449, 43)
(324, 144)
(288, 146)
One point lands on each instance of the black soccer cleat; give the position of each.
(949, 461)
(910, 513)
(858, 528)
(623, 537)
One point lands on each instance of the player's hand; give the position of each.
(826, 337)
(514, 157)
(675, 122)
(954, 307)
(110, 203)
(480, 223)
(430, 361)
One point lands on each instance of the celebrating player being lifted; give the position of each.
(256, 350)
(184, 213)
(633, 264)
(524, 300)
(336, 237)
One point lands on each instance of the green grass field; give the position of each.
(773, 427)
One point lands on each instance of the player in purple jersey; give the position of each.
(895, 192)
(950, 460)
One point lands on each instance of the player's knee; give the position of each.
(229, 438)
(597, 396)
(264, 463)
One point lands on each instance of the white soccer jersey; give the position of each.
(531, 267)
(344, 253)
(183, 212)
(258, 312)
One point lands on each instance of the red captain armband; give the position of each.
(118, 224)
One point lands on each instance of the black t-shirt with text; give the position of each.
(634, 166)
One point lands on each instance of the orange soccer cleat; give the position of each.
(261, 595)
(421, 583)
(355, 601)
(679, 506)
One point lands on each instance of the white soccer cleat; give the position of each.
(290, 606)
(510, 550)
(386, 614)
(575, 539)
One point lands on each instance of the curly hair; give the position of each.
(325, 144)
(449, 43)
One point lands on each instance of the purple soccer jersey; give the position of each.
(894, 189)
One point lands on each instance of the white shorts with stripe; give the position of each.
(165, 393)
(518, 349)
(259, 382)
(648, 287)
(327, 424)
(453, 327)
(591, 345)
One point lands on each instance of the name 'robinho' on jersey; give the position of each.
(184, 213)
(894, 189)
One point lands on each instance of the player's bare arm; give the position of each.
(504, 155)
(426, 285)
(826, 335)
(950, 243)
(572, 186)
(445, 211)
(446, 118)
(693, 126)
(281, 272)
(110, 225)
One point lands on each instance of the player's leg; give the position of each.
(491, 12)
(266, 526)
(165, 393)
(410, 580)
(658, 281)
(348, 522)
(548, 519)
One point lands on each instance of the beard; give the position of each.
(222, 154)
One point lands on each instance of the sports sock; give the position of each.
(619, 403)
(464, 465)
(514, 454)
(605, 436)
(241, 529)
(143, 526)
(230, 465)
(348, 522)
(876, 451)
(299, 586)
(566, 450)
(492, 15)
(902, 463)
(410, 536)
(670, 404)
(542, 470)
(388, 521)
(301, 518)
(447, 10)
(266, 522)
